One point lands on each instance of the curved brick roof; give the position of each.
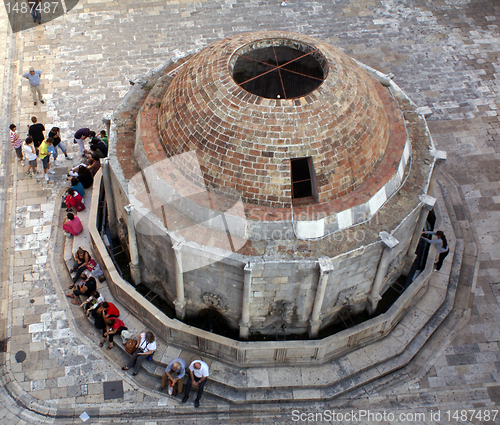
(244, 143)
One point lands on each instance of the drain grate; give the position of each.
(113, 389)
(3, 345)
(20, 356)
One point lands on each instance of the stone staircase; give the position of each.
(299, 383)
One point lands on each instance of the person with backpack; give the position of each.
(74, 200)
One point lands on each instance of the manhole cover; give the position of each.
(113, 389)
(32, 301)
(20, 356)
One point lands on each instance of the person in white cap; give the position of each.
(36, 88)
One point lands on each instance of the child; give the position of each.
(45, 156)
(17, 143)
(30, 153)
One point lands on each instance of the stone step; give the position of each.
(370, 361)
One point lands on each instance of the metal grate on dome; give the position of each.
(278, 71)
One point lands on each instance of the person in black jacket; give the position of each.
(85, 176)
(36, 130)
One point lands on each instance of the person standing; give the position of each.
(36, 88)
(441, 246)
(55, 133)
(45, 157)
(17, 143)
(30, 153)
(80, 137)
(36, 11)
(198, 374)
(36, 130)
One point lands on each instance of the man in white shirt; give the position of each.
(198, 374)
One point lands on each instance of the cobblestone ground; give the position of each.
(444, 54)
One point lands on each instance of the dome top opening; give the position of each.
(278, 69)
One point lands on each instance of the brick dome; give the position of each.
(246, 143)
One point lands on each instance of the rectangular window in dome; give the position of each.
(304, 188)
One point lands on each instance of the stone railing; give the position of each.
(254, 353)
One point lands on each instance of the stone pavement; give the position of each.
(444, 54)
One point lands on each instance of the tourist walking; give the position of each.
(17, 143)
(36, 10)
(35, 84)
(45, 157)
(55, 133)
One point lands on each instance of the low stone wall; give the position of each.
(252, 354)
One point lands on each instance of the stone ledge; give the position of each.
(241, 384)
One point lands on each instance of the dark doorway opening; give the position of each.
(303, 184)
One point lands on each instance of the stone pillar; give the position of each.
(110, 200)
(245, 305)
(180, 300)
(325, 267)
(132, 245)
(440, 157)
(427, 205)
(389, 242)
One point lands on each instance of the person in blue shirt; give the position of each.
(35, 86)
(77, 186)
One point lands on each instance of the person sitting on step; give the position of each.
(146, 346)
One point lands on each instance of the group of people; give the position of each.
(197, 374)
(37, 146)
(105, 314)
(106, 318)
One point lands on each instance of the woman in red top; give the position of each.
(74, 200)
(113, 327)
(109, 310)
